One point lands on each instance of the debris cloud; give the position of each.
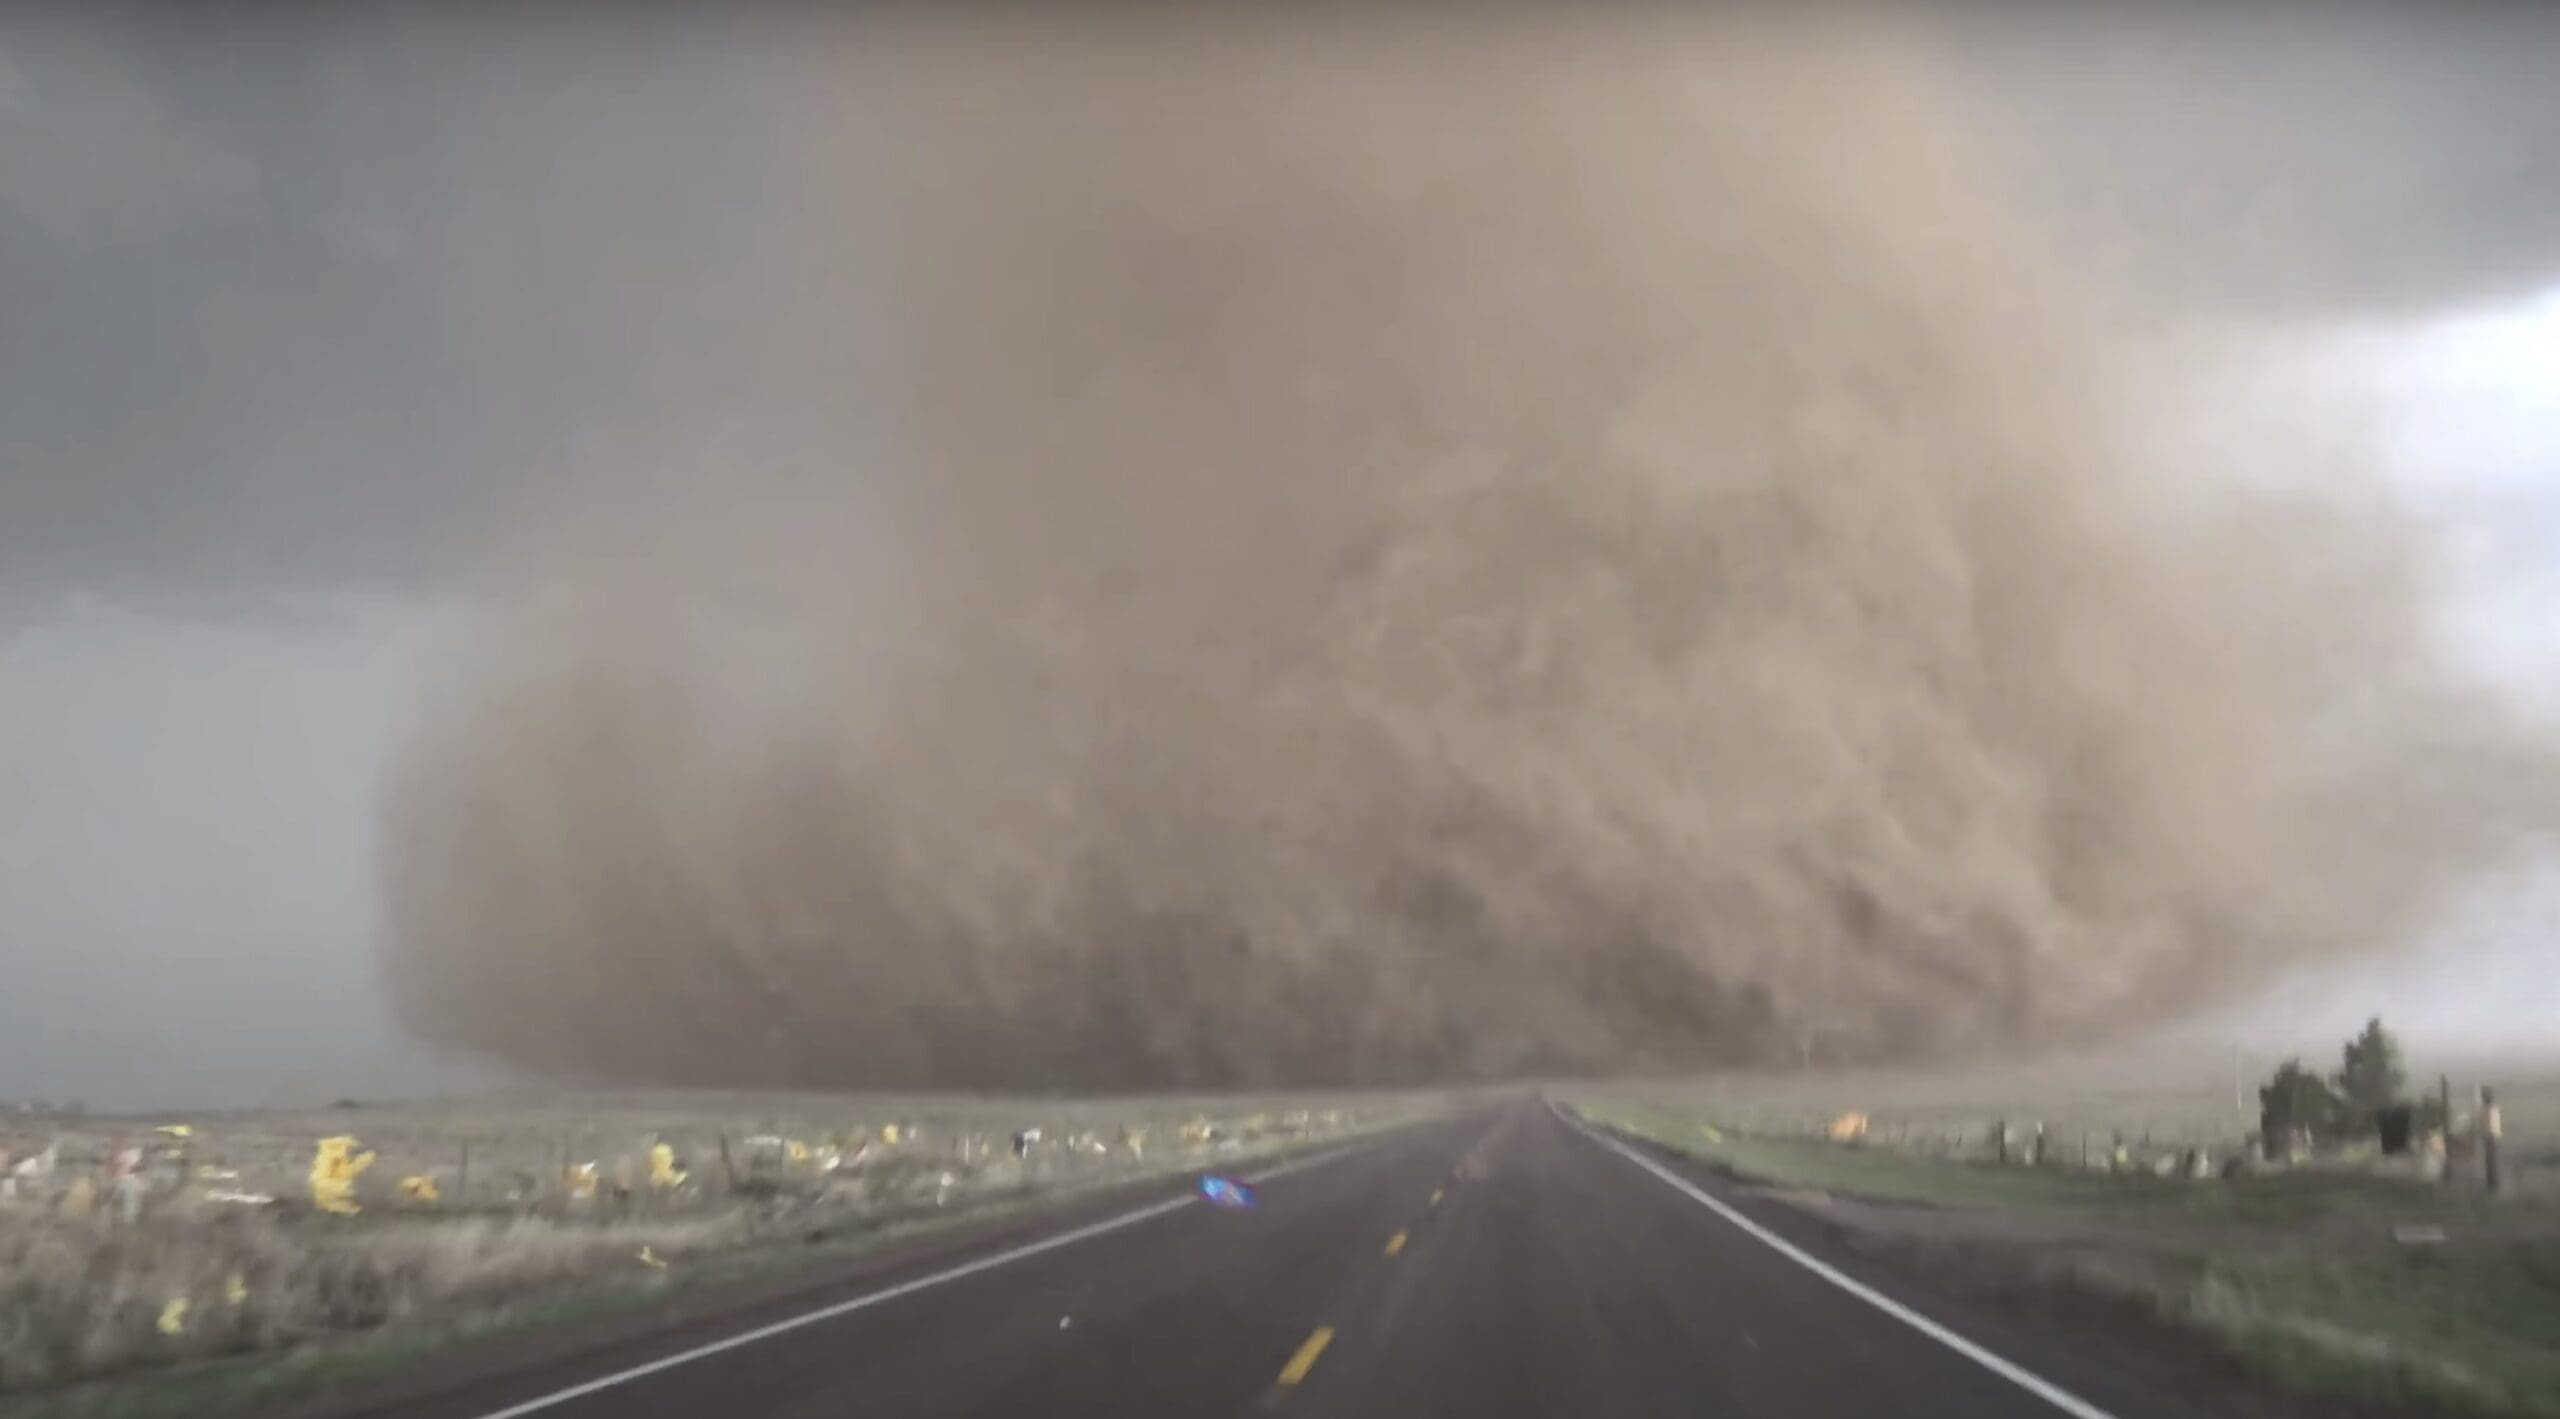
(1412, 551)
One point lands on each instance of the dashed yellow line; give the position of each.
(1305, 1359)
(1395, 1244)
(1435, 1197)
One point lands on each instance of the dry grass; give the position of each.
(86, 1296)
(87, 1293)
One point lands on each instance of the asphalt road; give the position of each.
(1501, 1264)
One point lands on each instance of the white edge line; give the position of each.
(2009, 1370)
(903, 1288)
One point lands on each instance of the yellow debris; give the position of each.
(1849, 1128)
(580, 1179)
(795, 1150)
(664, 1175)
(650, 1260)
(335, 1166)
(420, 1188)
(173, 1317)
(176, 1130)
(82, 1196)
(1708, 1132)
(235, 1289)
(889, 1133)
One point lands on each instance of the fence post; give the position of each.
(2490, 1130)
(2444, 1126)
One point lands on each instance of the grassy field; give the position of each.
(1887, 1174)
(2298, 1272)
(492, 1214)
(2174, 1101)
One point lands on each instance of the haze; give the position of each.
(1043, 548)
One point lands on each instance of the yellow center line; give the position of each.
(1395, 1244)
(1305, 1359)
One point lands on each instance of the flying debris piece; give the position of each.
(1226, 1192)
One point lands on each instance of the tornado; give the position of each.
(1389, 550)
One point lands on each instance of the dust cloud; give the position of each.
(1406, 552)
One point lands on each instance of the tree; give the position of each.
(2372, 1078)
(2296, 1101)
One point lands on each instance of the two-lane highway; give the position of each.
(1503, 1264)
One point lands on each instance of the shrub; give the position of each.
(2295, 1101)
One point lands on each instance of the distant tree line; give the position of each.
(2366, 1098)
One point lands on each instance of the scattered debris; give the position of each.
(173, 1317)
(650, 1260)
(1849, 1128)
(664, 1175)
(335, 1166)
(1227, 1192)
(129, 1189)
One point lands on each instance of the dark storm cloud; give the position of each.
(298, 302)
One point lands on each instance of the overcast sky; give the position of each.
(301, 316)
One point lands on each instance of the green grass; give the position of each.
(2474, 1328)
(2468, 1328)
(1887, 1175)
